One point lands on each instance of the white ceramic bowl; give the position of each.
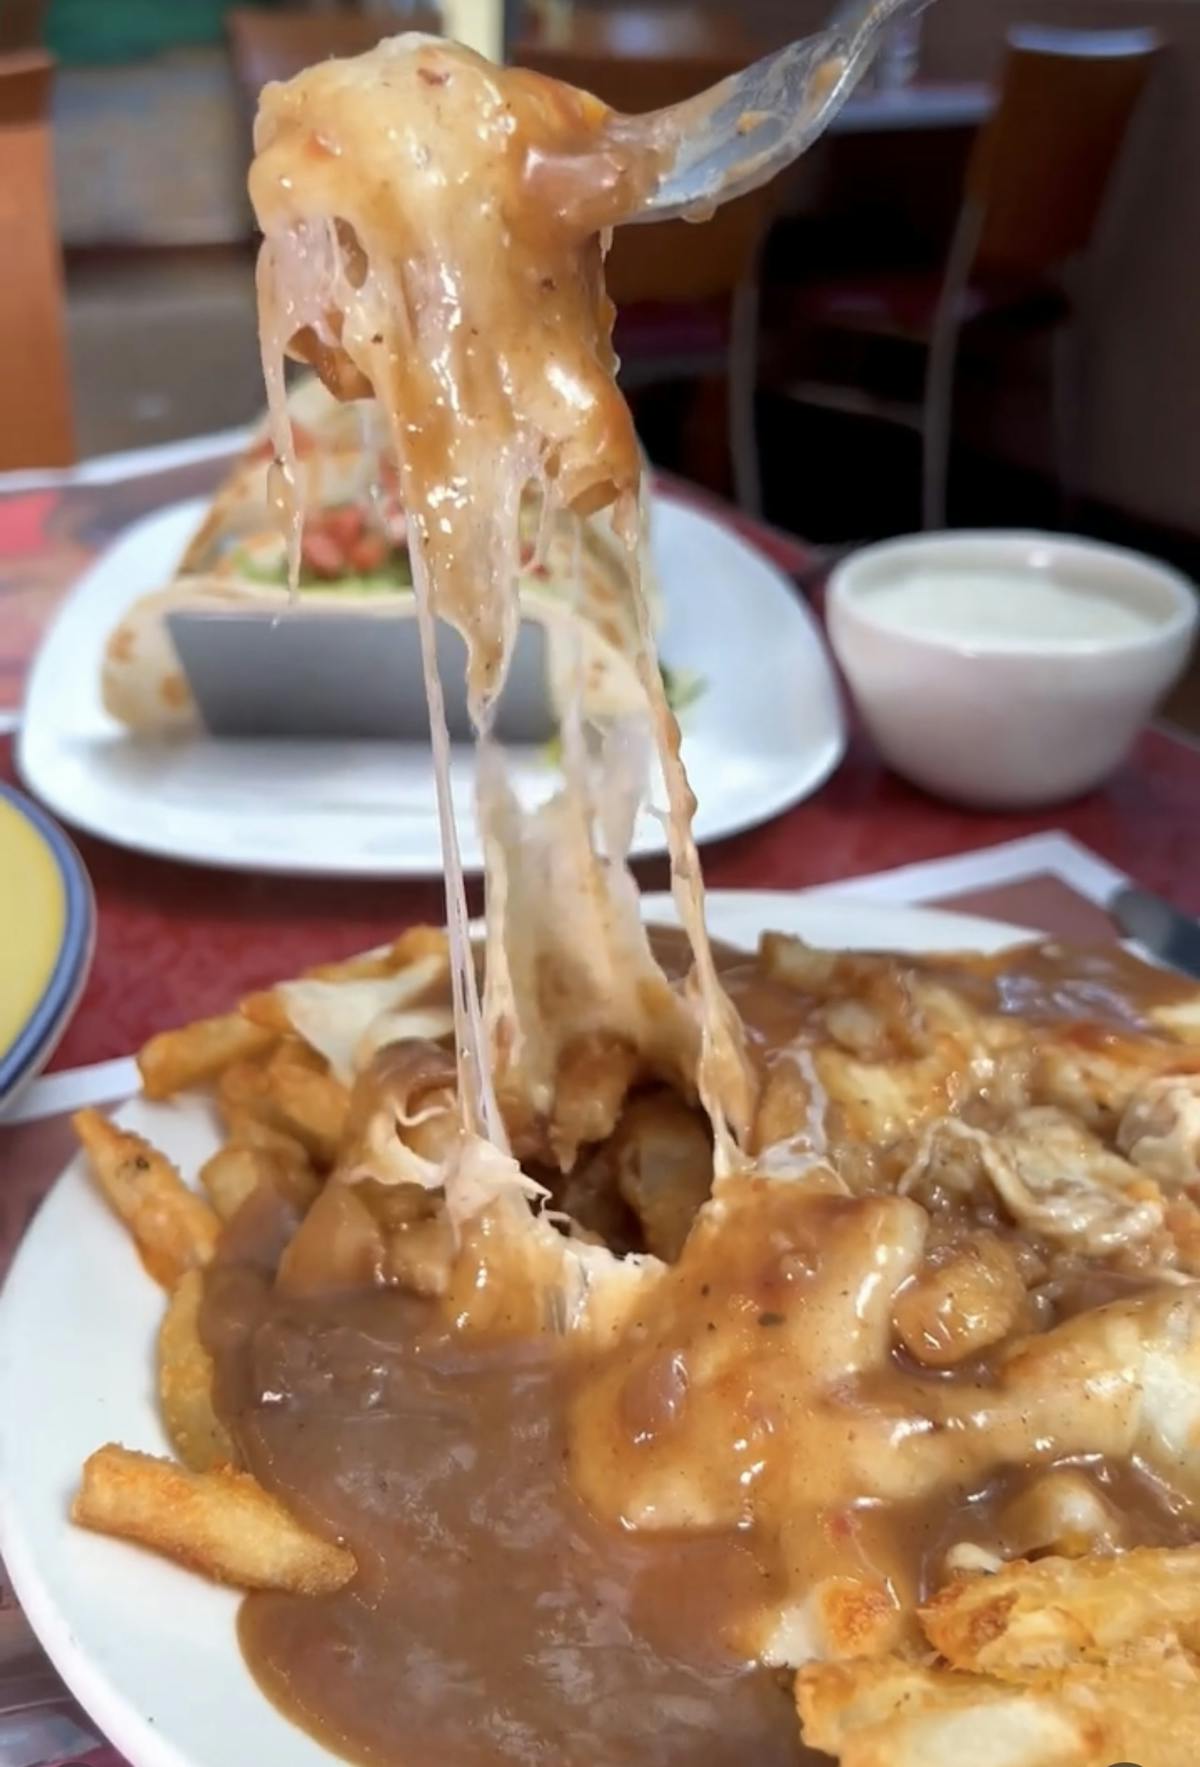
(1011, 720)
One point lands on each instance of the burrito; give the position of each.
(355, 559)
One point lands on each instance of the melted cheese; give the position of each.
(434, 234)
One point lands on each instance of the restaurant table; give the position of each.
(178, 941)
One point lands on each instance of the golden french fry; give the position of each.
(294, 1052)
(237, 1170)
(174, 1229)
(290, 1095)
(386, 960)
(221, 1523)
(195, 1053)
(266, 1009)
(251, 1131)
(312, 1106)
(243, 1093)
(185, 1382)
(663, 1156)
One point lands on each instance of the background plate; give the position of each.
(147, 1648)
(767, 730)
(47, 931)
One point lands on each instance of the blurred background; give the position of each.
(975, 302)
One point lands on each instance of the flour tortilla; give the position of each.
(577, 590)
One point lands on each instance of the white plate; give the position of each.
(767, 730)
(148, 1649)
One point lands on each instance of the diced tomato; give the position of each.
(840, 1524)
(343, 525)
(368, 553)
(321, 554)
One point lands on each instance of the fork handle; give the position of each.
(739, 133)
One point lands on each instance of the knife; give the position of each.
(1169, 935)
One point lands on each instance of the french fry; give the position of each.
(662, 1152)
(185, 1382)
(312, 1106)
(175, 1060)
(244, 1095)
(174, 1229)
(221, 1523)
(386, 960)
(251, 1131)
(294, 1052)
(290, 1096)
(266, 1009)
(237, 1170)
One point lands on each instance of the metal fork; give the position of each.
(737, 134)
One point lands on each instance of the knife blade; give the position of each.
(1167, 933)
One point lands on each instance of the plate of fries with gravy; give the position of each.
(917, 1382)
(618, 1332)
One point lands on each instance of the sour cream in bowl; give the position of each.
(1006, 669)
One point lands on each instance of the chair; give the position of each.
(22, 25)
(641, 33)
(35, 419)
(1034, 192)
(275, 45)
(686, 295)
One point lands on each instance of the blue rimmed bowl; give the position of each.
(47, 936)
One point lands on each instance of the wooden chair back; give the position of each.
(1041, 166)
(669, 262)
(275, 45)
(35, 413)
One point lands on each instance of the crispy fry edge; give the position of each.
(220, 1523)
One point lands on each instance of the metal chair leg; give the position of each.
(743, 386)
(937, 422)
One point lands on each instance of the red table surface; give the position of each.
(178, 941)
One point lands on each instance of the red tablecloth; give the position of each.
(178, 941)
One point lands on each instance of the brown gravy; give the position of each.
(1102, 985)
(492, 1619)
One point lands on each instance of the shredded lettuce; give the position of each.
(396, 575)
(683, 687)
